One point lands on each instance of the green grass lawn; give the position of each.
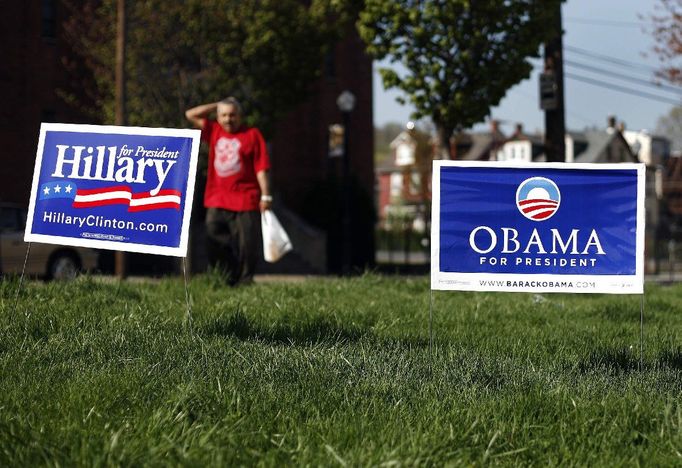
(335, 372)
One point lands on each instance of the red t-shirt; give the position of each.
(233, 161)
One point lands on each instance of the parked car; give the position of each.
(45, 260)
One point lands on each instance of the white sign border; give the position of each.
(539, 283)
(180, 251)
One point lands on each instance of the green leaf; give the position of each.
(460, 56)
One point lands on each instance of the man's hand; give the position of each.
(265, 198)
(265, 203)
(197, 114)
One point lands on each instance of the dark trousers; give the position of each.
(234, 241)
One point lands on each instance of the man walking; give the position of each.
(237, 188)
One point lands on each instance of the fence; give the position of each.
(403, 235)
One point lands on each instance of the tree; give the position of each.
(264, 52)
(670, 126)
(461, 56)
(666, 28)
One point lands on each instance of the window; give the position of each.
(49, 19)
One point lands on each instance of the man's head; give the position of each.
(229, 114)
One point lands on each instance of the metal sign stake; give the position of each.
(189, 306)
(431, 323)
(641, 334)
(21, 278)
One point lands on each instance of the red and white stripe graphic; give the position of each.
(538, 208)
(122, 195)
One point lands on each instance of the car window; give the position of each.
(9, 219)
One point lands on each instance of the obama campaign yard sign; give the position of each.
(538, 227)
(117, 188)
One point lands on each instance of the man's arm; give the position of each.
(197, 114)
(265, 197)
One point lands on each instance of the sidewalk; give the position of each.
(266, 278)
(398, 257)
(285, 278)
(664, 278)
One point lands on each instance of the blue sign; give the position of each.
(118, 188)
(538, 227)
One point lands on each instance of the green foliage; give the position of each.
(461, 56)
(180, 54)
(331, 371)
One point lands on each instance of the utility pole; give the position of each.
(552, 92)
(120, 266)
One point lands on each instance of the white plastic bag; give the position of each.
(275, 239)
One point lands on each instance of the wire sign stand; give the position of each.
(187, 297)
(84, 192)
(21, 278)
(538, 228)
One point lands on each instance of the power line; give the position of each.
(623, 89)
(605, 22)
(632, 79)
(533, 99)
(607, 58)
(634, 92)
(630, 71)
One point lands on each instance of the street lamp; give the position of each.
(346, 103)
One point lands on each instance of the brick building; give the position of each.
(30, 75)
(306, 181)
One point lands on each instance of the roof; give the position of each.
(597, 143)
(477, 146)
(403, 137)
(537, 144)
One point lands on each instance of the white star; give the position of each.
(46, 191)
(68, 189)
(57, 189)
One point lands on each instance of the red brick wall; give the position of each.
(299, 147)
(384, 193)
(30, 75)
(303, 175)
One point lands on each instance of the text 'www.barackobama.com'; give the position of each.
(537, 284)
(91, 220)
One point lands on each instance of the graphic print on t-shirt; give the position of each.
(227, 160)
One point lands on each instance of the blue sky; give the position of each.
(597, 34)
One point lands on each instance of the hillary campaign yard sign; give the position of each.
(118, 188)
(538, 227)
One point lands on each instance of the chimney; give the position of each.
(611, 123)
(518, 130)
(494, 126)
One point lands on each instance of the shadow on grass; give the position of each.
(670, 359)
(318, 330)
(627, 360)
(616, 360)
